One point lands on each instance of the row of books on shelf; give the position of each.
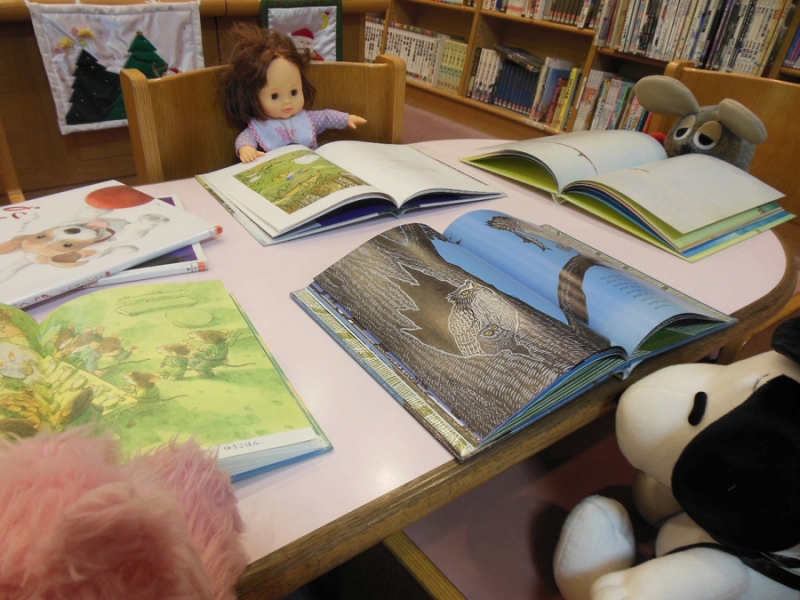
(608, 101)
(373, 37)
(736, 36)
(513, 78)
(549, 90)
(432, 58)
(578, 13)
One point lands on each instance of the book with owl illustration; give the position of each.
(149, 364)
(292, 192)
(495, 322)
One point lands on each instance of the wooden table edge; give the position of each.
(299, 562)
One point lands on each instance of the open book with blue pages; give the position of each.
(495, 322)
(691, 205)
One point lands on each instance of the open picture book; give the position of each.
(293, 191)
(691, 205)
(69, 240)
(152, 363)
(495, 322)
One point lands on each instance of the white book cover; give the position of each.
(58, 243)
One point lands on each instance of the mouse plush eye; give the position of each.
(708, 135)
(684, 129)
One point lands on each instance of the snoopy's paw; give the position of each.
(613, 586)
(597, 538)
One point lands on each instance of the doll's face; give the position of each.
(282, 96)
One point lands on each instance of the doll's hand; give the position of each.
(249, 154)
(354, 121)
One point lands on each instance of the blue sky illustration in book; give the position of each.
(505, 241)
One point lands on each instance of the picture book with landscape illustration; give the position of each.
(293, 191)
(690, 205)
(495, 322)
(151, 363)
(72, 239)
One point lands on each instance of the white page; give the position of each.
(586, 154)
(691, 191)
(225, 183)
(400, 170)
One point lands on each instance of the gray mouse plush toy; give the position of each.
(729, 130)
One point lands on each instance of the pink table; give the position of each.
(386, 471)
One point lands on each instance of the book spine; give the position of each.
(761, 56)
(762, 30)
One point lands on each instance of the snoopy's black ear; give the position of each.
(739, 478)
(786, 340)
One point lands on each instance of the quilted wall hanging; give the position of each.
(312, 24)
(84, 47)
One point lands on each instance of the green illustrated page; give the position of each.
(150, 363)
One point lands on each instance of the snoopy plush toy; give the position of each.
(717, 449)
(729, 130)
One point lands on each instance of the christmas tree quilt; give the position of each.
(84, 48)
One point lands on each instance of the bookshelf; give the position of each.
(741, 38)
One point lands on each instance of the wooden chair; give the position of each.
(179, 129)
(775, 162)
(8, 173)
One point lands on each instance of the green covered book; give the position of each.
(153, 363)
(691, 205)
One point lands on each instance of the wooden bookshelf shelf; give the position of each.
(482, 28)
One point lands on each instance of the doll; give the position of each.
(265, 87)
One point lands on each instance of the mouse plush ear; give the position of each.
(742, 121)
(739, 478)
(786, 339)
(665, 96)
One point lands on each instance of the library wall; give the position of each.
(47, 161)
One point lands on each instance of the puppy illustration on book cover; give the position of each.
(95, 230)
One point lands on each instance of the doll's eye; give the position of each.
(708, 135)
(698, 408)
(274, 96)
(295, 92)
(684, 129)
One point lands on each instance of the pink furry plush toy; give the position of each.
(77, 522)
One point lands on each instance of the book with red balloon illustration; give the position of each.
(65, 241)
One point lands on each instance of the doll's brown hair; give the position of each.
(253, 51)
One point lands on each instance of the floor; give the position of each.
(420, 126)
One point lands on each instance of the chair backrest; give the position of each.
(179, 128)
(8, 173)
(775, 102)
